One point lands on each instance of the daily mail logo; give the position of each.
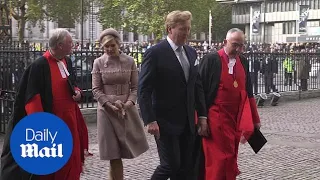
(32, 150)
(39, 139)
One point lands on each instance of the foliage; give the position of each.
(221, 17)
(66, 12)
(147, 16)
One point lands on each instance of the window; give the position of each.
(289, 27)
(283, 6)
(291, 6)
(287, 5)
(241, 9)
(279, 6)
(246, 9)
(275, 7)
(268, 7)
(312, 4)
(285, 28)
(234, 9)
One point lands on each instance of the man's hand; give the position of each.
(203, 128)
(77, 97)
(153, 129)
(257, 125)
(87, 153)
(243, 140)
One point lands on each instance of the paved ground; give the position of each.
(292, 151)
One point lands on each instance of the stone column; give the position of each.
(140, 38)
(131, 37)
(202, 36)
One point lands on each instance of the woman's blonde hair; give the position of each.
(108, 35)
(108, 38)
(176, 17)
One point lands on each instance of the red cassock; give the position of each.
(67, 109)
(230, 116)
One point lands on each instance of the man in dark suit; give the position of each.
(169, 93)
(269, 70)
(254, 68)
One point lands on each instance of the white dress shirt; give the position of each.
(175, 47)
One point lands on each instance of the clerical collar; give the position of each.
(54, 56)
(231, 62)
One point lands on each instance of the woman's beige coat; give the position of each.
(117, 79)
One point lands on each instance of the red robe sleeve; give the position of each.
(34, 105)
(252, 102)
(249, 117)
(254, 111)
(83, 135)
(246, 119)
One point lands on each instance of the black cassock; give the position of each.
(36, 79)
(210, 72)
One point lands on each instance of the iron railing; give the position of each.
(283, 72)
(270, 72)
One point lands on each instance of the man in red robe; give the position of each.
(48, 85)
(232, 110)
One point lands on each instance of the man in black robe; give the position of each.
(35, 94)
(231, 108)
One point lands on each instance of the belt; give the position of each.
(116, 89)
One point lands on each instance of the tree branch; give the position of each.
(10, 11)
(45, 12)
(23, 3)
(4, 6)
(14, 14)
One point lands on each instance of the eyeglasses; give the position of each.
(236, 45)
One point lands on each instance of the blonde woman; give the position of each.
(114, 84)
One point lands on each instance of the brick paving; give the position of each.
(292, 151)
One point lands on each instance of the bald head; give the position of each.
(234, 31)
(234, 42)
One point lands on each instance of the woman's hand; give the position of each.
(128, 105)
(111, 106)
(119, 104)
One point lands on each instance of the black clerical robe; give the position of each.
(231, 113)
(35, 94)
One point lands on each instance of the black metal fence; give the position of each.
(270, 72)
(13, 60)
(280, 72)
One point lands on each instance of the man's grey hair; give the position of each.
(231, 31)
(58, 36)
